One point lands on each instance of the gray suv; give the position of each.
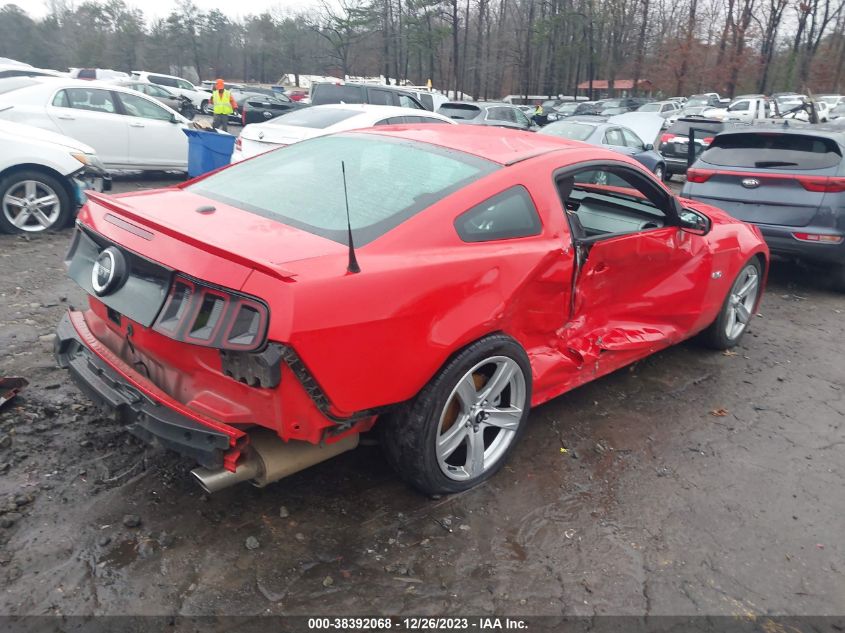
(488, 113)
(788, 180)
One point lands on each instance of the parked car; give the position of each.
(619, 105)
(832, 100)
(562, 111)
(488, 113)
(787, 180)
(315, 121)
(674, 143)
(687, 112)
(128, 130)
(42, 177)
(180, 103)
(613, 110)
(588, 107)
(837, 112)
(430, 99)
(664, 109)
(709, 99)
(374, 94)
(200, 98)
(25, 70)
(257, 108)
(613, 136)
(434, 283)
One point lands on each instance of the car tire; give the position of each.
(19, 213)
(660, 171)
(205, 107)
(667, 176)
(738, 308)
(435, 460)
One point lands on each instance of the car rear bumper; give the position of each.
(106, 380)
(781, 241)
(675, 165)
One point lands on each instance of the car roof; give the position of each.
(499, 145)
(377, 110)
(480, 104)
(787, 126)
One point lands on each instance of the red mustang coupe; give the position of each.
(232, 319)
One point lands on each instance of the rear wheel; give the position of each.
(735, 315)
(205, 106)
(33, 201)
(461, 428)
(660, 172)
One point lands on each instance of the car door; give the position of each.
(521, 119)
(501, 115)
(91, 115)
(638, 149)
(155, 140)
(614, 139)
(740, 111)
(641, 279)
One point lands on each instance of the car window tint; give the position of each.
(316, 118)
(459, 111)
(427, 100)
(331, 93)
(508, 215)
(61, 100)
(614, 137)
(91, 99)
(184, 85)
(501, 114)
(87, 73)
(774, 151)
(703, 127)
(394, 120)
(387, 181)
(164, 81)
(609, 201)
(423, 119)
(380, 97)
(740, 106)
(140, 107)
(631, 139)
(521, 118)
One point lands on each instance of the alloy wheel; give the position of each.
(741, 301)
(480, 419)
(31, 206)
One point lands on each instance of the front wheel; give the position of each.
(735, 315)
(660, 172)
(461, 428)
(205, 106)
(33, 201)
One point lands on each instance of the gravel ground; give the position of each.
(690, 483)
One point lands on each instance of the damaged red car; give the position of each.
(232, 319)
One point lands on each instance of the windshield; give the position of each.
(650, 107)
(388, 180)
(698, 100)
(567, 108)
(315, 118)
(569, 129)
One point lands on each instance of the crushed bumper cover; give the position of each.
(144, 417)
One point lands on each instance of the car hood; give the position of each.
(280, 134)
(646, 125)
(22, 133)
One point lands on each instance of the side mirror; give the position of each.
(648, 147)
(174, 119)
(694, 222)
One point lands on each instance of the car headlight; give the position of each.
(90, 160)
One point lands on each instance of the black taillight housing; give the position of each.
(198, 313)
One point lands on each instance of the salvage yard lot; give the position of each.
(693, 482)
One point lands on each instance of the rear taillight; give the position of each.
(200, 314)
(243, 116)
(707, 140)
(818, 237)
(822, 184)
(698, 175)
(665, 138)
(238, 143)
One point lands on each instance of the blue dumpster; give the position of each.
(208, 151)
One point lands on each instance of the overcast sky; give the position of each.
(160, 8)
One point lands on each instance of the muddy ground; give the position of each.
(692, 483)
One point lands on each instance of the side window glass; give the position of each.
(386, 121)
(508, 215)
(140, 107)
(91, 99)
(184, 85)
(739, 106)
(632, 140)
(496, 114)
(406, 102)
(380, 97)
(60, 100)
(614, 137)
(609, 201)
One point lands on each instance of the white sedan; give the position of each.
(320, 120)
(127, 129)
(42, 175)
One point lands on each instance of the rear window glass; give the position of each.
(682, 126)
(570, 130)
(459, 111)
(773, 151)
(316, 118)
(388, 180)
(509, 215)
(331, 93)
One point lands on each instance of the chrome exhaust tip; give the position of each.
(215, 480)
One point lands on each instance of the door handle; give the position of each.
(136, 125)
(600, 268)
(65, 117)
